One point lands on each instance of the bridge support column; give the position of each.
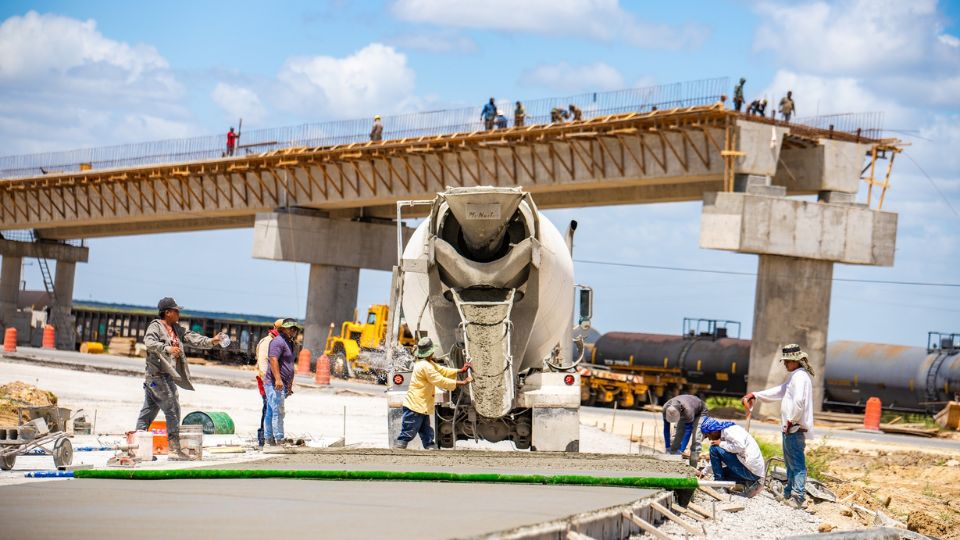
(10, 267)
(336, 250)
(331, 298)
(798, 243)
(64, 322)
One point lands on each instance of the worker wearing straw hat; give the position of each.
(796, 418)
(419, 402)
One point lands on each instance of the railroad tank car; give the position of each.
(904, 378)
(713, 359)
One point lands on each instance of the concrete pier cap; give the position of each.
(798, 242)
(336, 250)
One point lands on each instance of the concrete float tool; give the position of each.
(489, 478)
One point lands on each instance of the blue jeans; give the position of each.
(727, 467)
(263, 417)
(414, 424)
(273, 422)
(675, 447)
(793, 447)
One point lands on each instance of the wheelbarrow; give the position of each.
(42, 428)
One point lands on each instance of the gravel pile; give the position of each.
(762, 518)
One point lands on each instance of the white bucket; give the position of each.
(191, 441)
(143, 440)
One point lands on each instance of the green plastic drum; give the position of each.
(213, 422)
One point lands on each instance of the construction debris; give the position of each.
(19, 394)
(949, 417)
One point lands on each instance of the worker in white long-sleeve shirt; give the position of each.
(796, 419)
(734, 455)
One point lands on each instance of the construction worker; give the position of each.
(488, 114)
(419, 402)
(738, 95)
(519, 115)
(501, 121)
(558, 115)
(734, 455)
(787, 106)
(232, 139)
(263, 364)
(376, 132)
(684, 411)
(167, 369)
(796, 418)
(278, 383)
(576, 112)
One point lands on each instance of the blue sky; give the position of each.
(79, 74)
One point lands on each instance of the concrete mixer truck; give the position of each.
(490, 280)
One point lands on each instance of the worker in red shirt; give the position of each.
(232, 138)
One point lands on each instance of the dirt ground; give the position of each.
(919, 489)
(19, 394)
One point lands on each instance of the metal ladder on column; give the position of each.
(47, 283)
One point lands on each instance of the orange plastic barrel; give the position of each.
(323, 370)
(160, 443)
(10, 340)
(303, 362)
(49, 337)
(871, 417)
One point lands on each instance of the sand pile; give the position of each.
(19, 394)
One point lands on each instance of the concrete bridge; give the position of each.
(331, 206)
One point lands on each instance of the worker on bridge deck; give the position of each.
(519, 115)
(489, 114)
(738, 95)
(167, 369)
(685, 411)
(787, 106)
(376, 132)
(232, 138)
(734, 455)
(796, 419)
(576, 113)
(418, 405)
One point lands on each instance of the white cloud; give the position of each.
(375, 78)
(566, 78)
(65, 85)
(602, 20)
(856, 37)
(238, 102)
(436, 42)
(947, 39)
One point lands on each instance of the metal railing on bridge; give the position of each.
(462, 120)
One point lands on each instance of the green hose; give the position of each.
(490, 478)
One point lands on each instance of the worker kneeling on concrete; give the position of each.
(419, 402)
(685, 412)
(734, 455)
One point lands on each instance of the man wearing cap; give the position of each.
(278, 383)
(167, 369)
(376, 132)
(419, 402)
(685, 411)
(734, 455)
(796, 418)
(263, 364)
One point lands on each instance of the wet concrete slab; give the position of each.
(275, 508)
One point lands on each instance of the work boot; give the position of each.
(799, 504)
(430, 447)
(176, 453)
(753, 489)
(401, 445)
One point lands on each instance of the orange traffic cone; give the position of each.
(871, 417)
(10, 340)
(49, 337)
(323, 370)
(303, 362)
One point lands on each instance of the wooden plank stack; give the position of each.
(123, 346)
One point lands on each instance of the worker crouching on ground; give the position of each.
(796, 419)
(734, 455)
(263, 365)
(419, 401)
(167, 369)
(685, 411)
(279, 381)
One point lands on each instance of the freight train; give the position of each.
(710, 352)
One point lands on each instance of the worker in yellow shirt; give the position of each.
(419, 402)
